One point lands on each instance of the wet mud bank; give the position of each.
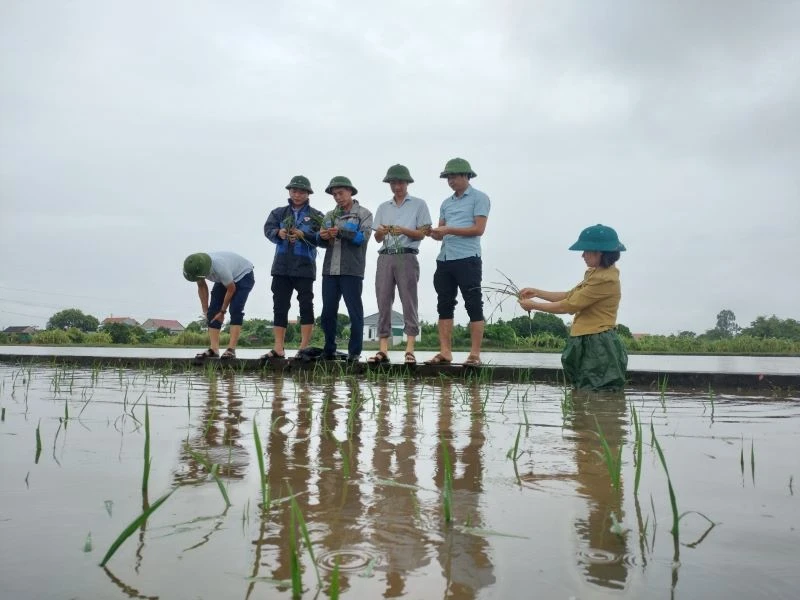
(776, 384)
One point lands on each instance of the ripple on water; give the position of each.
(351, 560)
(596, 556)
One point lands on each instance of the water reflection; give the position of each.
(464, 557)
(217, 434)
(602, 554)
(287, 449)
(394, 509)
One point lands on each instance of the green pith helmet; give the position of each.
(196, 266)
(398, 173)
(458, 166)
(300, 182)
(598, 238)
(340, 181)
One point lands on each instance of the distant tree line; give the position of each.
(538, 332)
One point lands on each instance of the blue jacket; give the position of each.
(298, 259)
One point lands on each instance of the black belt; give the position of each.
(398, 251)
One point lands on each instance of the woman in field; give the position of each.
(595, 357)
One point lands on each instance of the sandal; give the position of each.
(410, 358)
(472, 361)
(439, 360)
(380, 358)
(207, 354)
(229, 354)
(272, 355)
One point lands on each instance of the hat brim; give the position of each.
(330, 188)
(299, 187)
(446, 174)
(188, 277)
(391, 179)
(589, 247)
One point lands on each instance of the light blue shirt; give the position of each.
(413, 213)
(228, 267)
(461, 212)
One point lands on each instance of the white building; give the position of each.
(398, 323)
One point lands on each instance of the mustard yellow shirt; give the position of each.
(594, 301)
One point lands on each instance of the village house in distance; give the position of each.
(150, 325)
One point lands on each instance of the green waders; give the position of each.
(596, 361)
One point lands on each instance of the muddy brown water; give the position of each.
(366, 465)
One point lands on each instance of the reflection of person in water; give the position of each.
(340, 502)
(397, 530)
(603, 557)
(217, 434)
(287, 456)
(464, 557)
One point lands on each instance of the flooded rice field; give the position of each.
(265, 487)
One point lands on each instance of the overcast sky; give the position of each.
(135, 133)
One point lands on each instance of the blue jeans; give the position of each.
(334, 288)
(236, 308)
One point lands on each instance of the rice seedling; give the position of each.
(513, 454)
(210, 421)
(711, 398)
(662, 388)
(752, 461)
(147, 459)
(791, 481)
(134, 525)
(447, 496)
(566, 405)
(672, 500)
(3, 414)
(87, 544)
(212, 470)
(294, 559)
(333, 589)
(261, 473)
(298, 514)
(741, 458)
(345, 460)
(38, 443)
(355, 404)
(613, 463)
(501, 292)
(637, 450)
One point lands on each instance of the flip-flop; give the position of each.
(472, 361)
(439, 360)
(229, 354)
(206, 354)
(380, 358)
(410, 358)
(272, 355)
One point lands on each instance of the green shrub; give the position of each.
(76, 336)
(190, 338)
(98, 338)
(51, 336)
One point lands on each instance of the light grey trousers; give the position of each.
(399, 271)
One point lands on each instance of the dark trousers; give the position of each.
(282, 288)
(463, 274)
(236, 308)
(334, 288)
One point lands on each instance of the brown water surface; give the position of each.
(365, 461)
